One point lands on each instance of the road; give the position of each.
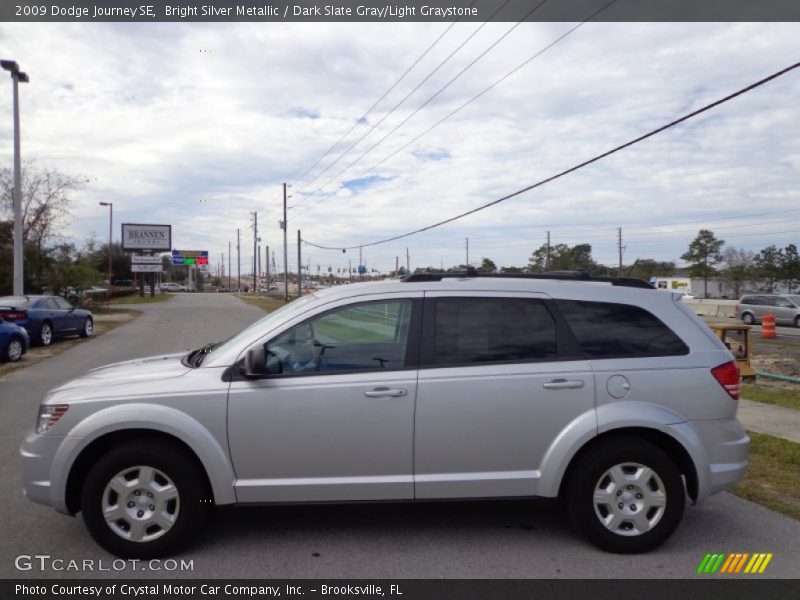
(455, 540)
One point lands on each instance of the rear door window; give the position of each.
(486, 330)
(611, 330)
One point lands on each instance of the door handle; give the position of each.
(563, 384)
(385, 391)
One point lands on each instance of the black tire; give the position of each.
(589, 472)
(797, 321)
(45, 337)
(14, 349)
(748, 319)
(170, 463)
(87, 328)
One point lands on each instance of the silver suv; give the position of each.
(615, 398)
(784, 307)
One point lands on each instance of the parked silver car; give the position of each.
(784, 307)
(617, 399)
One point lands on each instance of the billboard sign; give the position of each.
(157, 238)
(145, 259)
(190, 257)
(146, 268)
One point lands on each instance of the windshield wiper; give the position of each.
(195, 357)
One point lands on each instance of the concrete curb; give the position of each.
(771, 420)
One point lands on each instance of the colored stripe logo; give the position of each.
(734, 563)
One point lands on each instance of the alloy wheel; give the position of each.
(14, 351)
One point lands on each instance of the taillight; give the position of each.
(728, 377)
(14, 315)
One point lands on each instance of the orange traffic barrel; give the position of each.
(768, 326)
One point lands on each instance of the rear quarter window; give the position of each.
(611, 330)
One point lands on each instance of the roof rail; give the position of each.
(556, 275)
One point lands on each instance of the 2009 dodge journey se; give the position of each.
(614, 398)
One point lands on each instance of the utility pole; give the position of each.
(619, 249)
(408, 261)
(299, 268)
(229, 266)
(259, 263)
(284, 226)
(266, 257)
(255, 250)
(350, 270)
(396, 266)
(547, 254)
(238, 264)
(360, 263)
(467, 264)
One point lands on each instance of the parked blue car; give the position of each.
(46, 317)
(14, 341)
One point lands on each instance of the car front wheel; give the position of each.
(144, 500)
(626, 496)
(46, 334)
(88, 328)
(14, 350)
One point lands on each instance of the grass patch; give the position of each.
(264, 303)
(773, 475)
(788, 397)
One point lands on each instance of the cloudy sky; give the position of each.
(196, 125)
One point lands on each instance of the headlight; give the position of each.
(49, 415)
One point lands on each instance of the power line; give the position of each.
(579, 166)
(429, 100)
(573, 234)
(464, 105)
(347, 150)
(375, 104)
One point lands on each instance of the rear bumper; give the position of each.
(726, 446)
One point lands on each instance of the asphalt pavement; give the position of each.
(516, 539)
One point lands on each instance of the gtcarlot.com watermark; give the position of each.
(46, 562)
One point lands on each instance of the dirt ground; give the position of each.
(104, 320)
(779, 357)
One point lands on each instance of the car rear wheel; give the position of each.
(626, 496)
(46, 334)
(14, 350)
(88, 328)
(748, 319)
(144, 500)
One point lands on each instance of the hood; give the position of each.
(154, 368)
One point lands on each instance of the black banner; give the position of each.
(404, 589)
(149, 11)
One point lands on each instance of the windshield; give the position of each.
(261, 324)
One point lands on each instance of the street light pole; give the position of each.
(17, 76)
(110, 206)
(284, 226)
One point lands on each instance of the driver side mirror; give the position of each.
(255, 362)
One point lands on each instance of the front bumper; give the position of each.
(38, 453)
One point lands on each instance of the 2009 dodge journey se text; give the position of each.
(602, 392)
